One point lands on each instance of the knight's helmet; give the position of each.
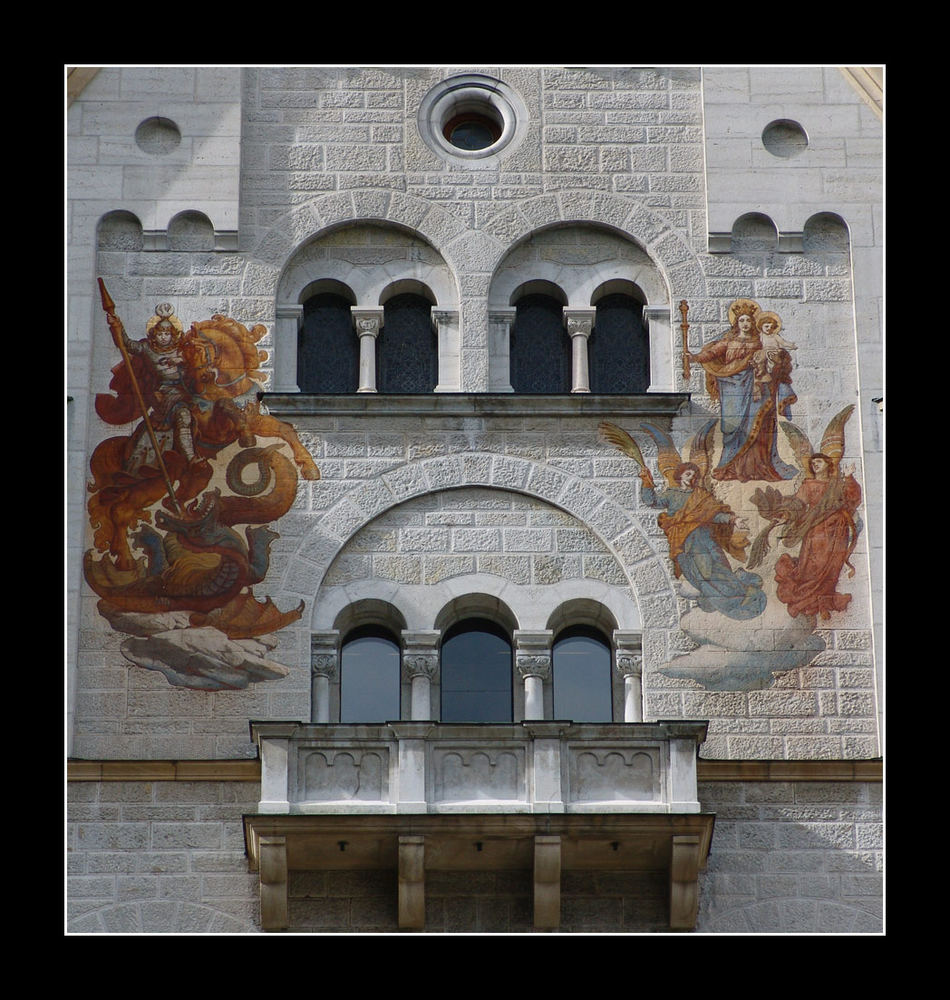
(164, 320)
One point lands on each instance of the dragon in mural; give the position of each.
(158, 490)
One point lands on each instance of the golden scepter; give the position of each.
(109, 306)
(684, 326)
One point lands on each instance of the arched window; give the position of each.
(327, 348)
(619, 349)
(581, 675)
(407, 349)
(540, 349)
(369, 676)
(476, 673)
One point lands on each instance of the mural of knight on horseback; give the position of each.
(190, 395)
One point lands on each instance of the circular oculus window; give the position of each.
(471, 118)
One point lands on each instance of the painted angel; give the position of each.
(819, 518)
(700, 529)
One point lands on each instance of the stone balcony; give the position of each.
(417, 796)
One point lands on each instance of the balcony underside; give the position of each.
(408, 845)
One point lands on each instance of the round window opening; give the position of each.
(472, 119)
(472, 131)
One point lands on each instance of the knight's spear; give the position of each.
(109, 306)
(684, 326)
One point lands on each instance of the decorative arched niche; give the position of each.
(419, 576)
(589, 265)
(362, 264)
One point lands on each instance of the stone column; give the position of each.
(656, 320)
(579, 324)
(533, 662)
(286, 332)
(367, 323)
(450, 350)
(420, 664)
(499, 349)
(324, 661)
(628, 658)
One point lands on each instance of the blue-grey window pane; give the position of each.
(581, 670)
(619, 348)
(540, 349)
(369, 680)
(327, 348)
(476, 675)
(407, 350)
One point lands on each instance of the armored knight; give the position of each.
(160, 355)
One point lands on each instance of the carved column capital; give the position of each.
(536, 665)
(367, 322)
(579, 322)
(324, 653)
(421, 665)
(630, 664)
(628, 655)
(533, 653)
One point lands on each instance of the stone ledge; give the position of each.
(163, 770)
(250, 770)
(291, 405)
(789, 770)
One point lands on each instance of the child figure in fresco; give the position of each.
(771, 362)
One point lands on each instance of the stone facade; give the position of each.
(244, 193)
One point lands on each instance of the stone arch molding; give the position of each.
(481, 252)
(611, 523)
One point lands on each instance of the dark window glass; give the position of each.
(476, 673)
(328, 352)
(618, 350)
(369, 677)
(540, 348)
(471, 131)
(407, 350)
(581, 670)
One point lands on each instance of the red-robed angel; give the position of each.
(819, 518)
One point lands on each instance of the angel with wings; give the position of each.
(700, 529)
(819, 517)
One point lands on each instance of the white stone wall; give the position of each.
(168, 857)
(640, 173)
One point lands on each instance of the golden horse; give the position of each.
(223, 367)
(222, 372)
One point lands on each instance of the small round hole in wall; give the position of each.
(158, 136)
(784, 138)
(471, 119)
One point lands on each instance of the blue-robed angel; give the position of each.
(700, 529)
